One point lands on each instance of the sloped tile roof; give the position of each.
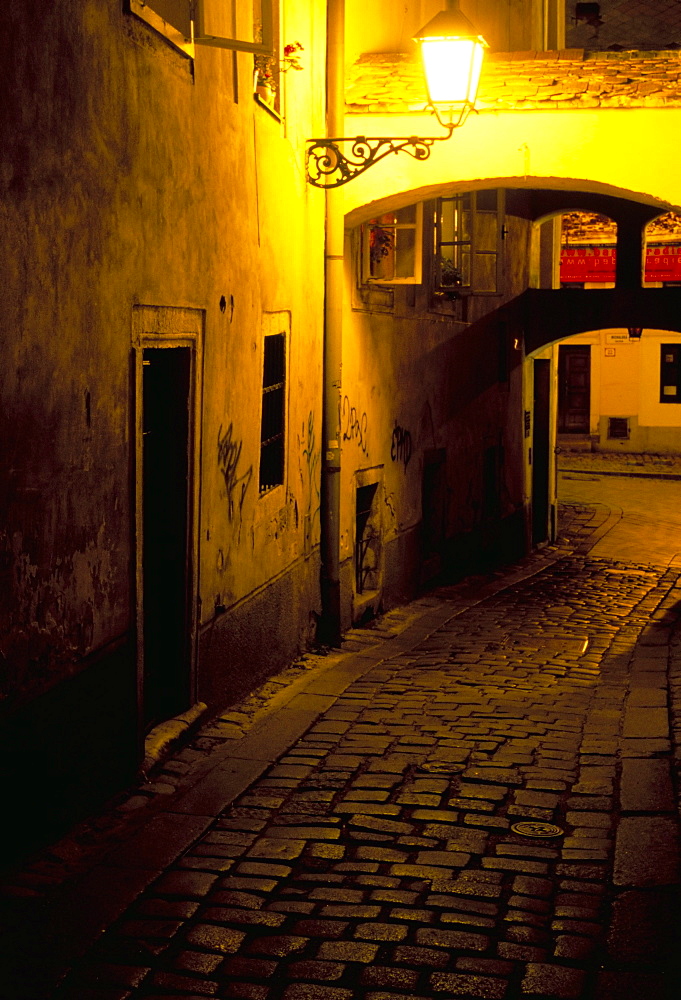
(570, 79)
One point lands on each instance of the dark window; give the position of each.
(670, 373)
(618, 427)
(273, 403)
(367, 540)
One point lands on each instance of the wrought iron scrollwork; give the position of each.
(329, 167)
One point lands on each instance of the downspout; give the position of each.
(329, 630)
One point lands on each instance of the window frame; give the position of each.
(416, 278)
(145, 11)
(268, 388)
(473, 241)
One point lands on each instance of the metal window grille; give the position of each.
(272, 421)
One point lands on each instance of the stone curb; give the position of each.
(618, 472)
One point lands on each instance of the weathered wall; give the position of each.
(131, 174)
(417, 381)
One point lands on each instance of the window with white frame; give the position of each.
(226, 24)
(391, 247)
(468, 235)
(171, 18)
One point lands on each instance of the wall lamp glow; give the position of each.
(451, 55)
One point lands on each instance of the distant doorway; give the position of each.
(166, 397)
(541, 442)
(574, 389)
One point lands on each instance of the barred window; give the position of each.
(273, 408)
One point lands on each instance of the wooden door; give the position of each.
(574, 389)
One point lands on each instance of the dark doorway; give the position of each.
(434, 502)
(574, 389)
(165, 521)
(541, 451)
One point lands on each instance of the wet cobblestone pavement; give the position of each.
(397, 846)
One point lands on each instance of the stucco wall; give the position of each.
(418, 381)
(131, 174)
(625, 383)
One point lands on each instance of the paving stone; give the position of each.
(435, 937)
(494, 792)
(222, 939)
(184, 984)
(376, 931)
(382, 975)
(347, 951)
(428, 958)
(381, 825)
(646, 851)
(468, 985)
(643, 926)
(480, 805)
(447, 859)
(197, 961)
(556, 982)
(348, 910)
(311, 969)
(314, 991)
(521, 952)
(498, 775)
(276, 849)
(278, 945)
(303, 832)
(646, 786)
(650, 723)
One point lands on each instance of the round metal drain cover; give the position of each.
(534, 829)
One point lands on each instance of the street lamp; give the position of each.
(451, 54)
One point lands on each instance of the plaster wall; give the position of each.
(575, 150)
(625, 382)
(420, 384)
(133, 175)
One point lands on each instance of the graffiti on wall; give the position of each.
(237, 480)
(309, 466)
(401, 446)
(354, 425)
(308, 443)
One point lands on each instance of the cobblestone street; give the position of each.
(479, 805)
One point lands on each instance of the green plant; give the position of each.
(381, 243)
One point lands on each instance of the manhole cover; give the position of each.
(533, 829)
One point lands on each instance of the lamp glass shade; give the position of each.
(452, 67)
(451, 53)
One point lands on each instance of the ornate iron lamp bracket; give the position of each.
(329, 167)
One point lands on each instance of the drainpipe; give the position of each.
(329, 630)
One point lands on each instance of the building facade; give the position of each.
(161, 390)
(171, 423)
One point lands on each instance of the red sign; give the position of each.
(597, 264)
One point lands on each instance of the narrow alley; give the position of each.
(473, 799)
